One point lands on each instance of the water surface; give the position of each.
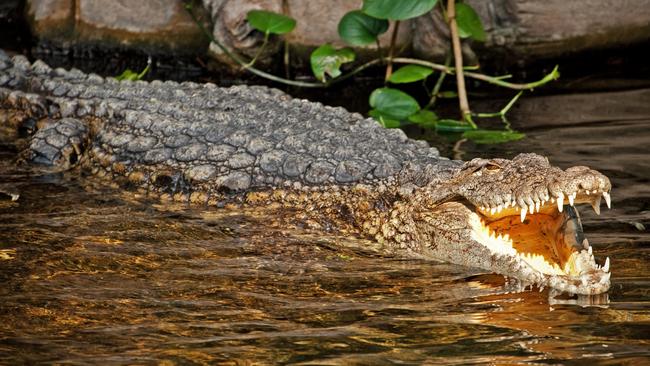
(91, 276)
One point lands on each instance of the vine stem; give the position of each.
(436, 88)
(474, 75)
(401, 60)
(458, 61)
(286, 57)
(391, 50)
(259, 51)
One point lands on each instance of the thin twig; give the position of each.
(259, 51)
(502, 113)
(287, 58)
(436, 88)
(489, 79)
(466, 114)
(391, 50)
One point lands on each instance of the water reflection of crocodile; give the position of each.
(258, 146)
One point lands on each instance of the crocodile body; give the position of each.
(258, 146)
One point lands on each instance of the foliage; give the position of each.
(393, 103)
(469, 24)
(269, 22)
(359, 29)
(327, 60)
(409, 74)
(129, 74)
(392, 107)
(397, 10)
(425, 118)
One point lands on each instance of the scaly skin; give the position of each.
(332, 169)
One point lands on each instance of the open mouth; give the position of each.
(546, 235)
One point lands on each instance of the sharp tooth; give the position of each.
(530, 203)
(523, 213)
(492, 210)
(531, 209)
(560, 202)
(606, 265)
(590, 250)
(587, 191)
(595, 203)
(608, 199)
(572, 196)
(537, 206)
(606, 277)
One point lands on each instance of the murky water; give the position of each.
(93, 277)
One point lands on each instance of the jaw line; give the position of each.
(584, 276)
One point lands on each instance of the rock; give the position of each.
(231, 29)
(313, 28)
(51, 19)
(157, 26)
(521, 30)
(517, 30)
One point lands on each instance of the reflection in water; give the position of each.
(93, 277)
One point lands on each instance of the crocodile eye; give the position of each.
(492, 168)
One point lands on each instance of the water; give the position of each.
(92, 276)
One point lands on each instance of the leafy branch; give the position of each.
(392, 107)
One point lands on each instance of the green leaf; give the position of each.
(385, 120)
(452, 125)
(469, 24)
(409, 74)
(397, 9)
(492, 136)
(129, 74)
(359, 29)
(270, 22)
(327, 60)
(394, 103)
(424, 118)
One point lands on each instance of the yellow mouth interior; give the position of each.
(545, 240)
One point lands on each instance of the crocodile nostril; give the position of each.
(73, 158)
(163, 181)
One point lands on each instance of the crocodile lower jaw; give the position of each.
(548, 247)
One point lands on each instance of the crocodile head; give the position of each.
(518, 218)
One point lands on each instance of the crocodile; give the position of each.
(333, 170)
